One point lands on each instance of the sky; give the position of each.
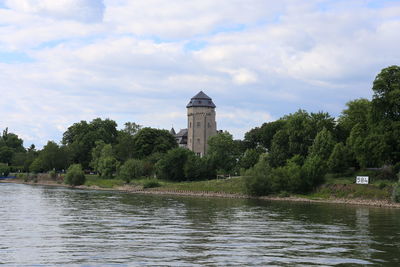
(142, 60)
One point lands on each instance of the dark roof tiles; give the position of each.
(201, 100)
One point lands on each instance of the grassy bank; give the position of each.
(335, 187)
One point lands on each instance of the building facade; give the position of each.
(201, 123)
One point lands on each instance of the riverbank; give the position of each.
(323, 195)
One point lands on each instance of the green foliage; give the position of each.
(297, 135)
(151, 183)
(250, 157)
(53, 175)
(103, 160)
(131, 169)
(262, 136)
(357, 111)
(75, 175)
(95, 180)
(81, 138)
(258, 182)
(149, 141)
(386, 99)
(6, 154)
(323, 145)
(36, 166)
(338, 160)
(171, 165)
(223, 152)
(197, 168)
(4, 169)
(313, 172)
(53, 156)
(396, 193)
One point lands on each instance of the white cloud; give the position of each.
(258, 60)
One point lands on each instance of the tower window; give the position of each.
(198, 124)
(198, 140)
(190, 124)
(209, 125)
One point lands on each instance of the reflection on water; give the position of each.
(58, 226)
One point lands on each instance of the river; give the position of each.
(47, 226)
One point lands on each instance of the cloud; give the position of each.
(142, 61)
(80, 10)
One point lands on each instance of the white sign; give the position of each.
(362, 179)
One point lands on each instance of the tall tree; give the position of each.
(82, 136)
(149, 140)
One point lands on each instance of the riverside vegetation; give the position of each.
(302, 153)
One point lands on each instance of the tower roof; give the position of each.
(201, 100)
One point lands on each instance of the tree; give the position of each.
(171, 165)
(75, 175)
(37, 165)
(131, 128)
(199, 168)
(82, 136)
(106, 165)
(222, 151)
(250, 157)
(386, 99)
(323, 145)
(149, 140)
(125, 147)
(357, 111)
(258, 178)
(313, 171)
(4, 170)
(53, 156)
(131, 169)
(6, 154)
(338, 161)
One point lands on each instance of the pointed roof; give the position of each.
(172, 131)
(201, 100)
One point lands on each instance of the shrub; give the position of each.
(53, 174)
(151, 183)
(107, 166)
(258, 180)
(313, 172)
(171, 165)
(387, 172)
(131, 169)
(4, 169)
(75, 175)
(396, 193)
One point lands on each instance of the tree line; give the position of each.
(291, 154)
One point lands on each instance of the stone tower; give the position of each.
(201, 123)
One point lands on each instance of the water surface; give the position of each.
(59, 226)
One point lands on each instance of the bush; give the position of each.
(4, 169)
(151, 183)
(75, 175)
(107, 166)
(131, 169)
(258, 180)
(396, 193)
(53, 174)
(171, 165)
(313, 172)
(387, 172)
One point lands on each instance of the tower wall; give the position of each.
(201, 125)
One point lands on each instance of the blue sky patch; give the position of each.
(14, 57)
(195, 45)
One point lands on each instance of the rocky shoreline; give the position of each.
(158, 191)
